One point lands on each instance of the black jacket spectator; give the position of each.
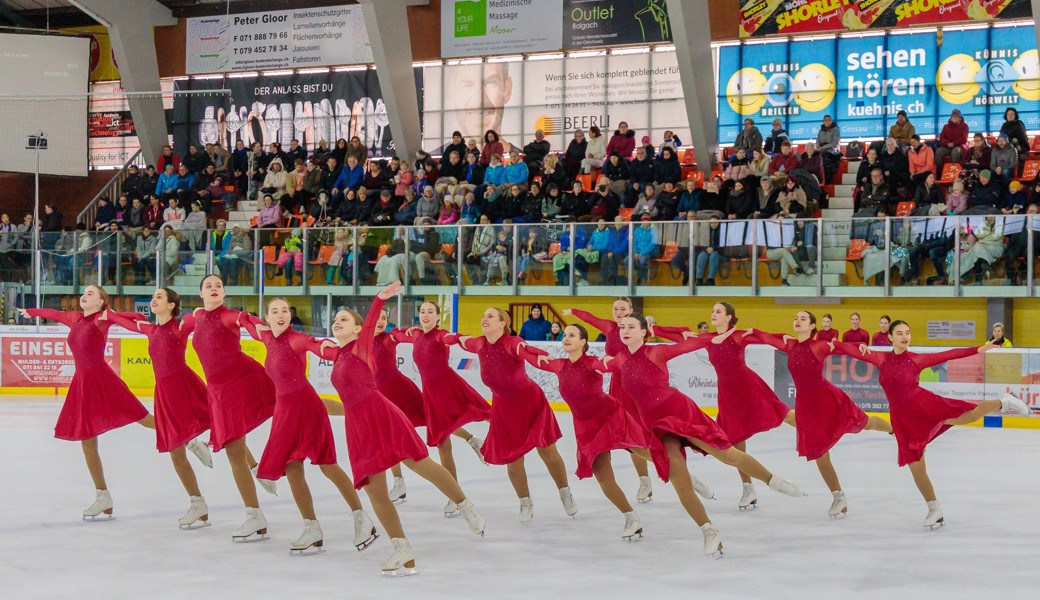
(106, 213)
(604, 204)
(616, 171)
(575, 153)
(667, 205)
(926, 195)
(455, 146)
(643, 170)
(985, 195)
(1015, 131)
(667, 168)
(574, 205)
(775, 139)
(136, 184)
(455, 169)
(195, 161)
(739, 203)
(536, 151)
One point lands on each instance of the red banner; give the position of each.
(35, 361)
(790, 17)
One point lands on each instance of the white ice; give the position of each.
(986, 480)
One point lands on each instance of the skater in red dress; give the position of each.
(824, 412)
(918, 415)
(300, 429)
(747, 405)
(97, 401)
(241, 397)
(448, 401)
(181, 407)
(600, 422)
(379, 435)
(399, 389)
(677, 422)
(521, 419)
(827, 333)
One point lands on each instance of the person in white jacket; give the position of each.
(274, 181)
(595, 152)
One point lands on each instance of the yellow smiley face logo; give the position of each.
(956, 79)
(1027, 75)
(745, 91)
(814, 87)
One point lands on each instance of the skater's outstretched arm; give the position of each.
(662, 353)
(363, 346)
(932, 359)
(249, 323)
(402, 336)
(58, 316)
(604, 325)
(672, 334)
(526, 351)
(130, 321)
(859, 351)
(755, 336)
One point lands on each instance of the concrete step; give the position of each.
(842, 202)
(835, 254)
(835, 227)
(837, 213)
(188, 280)
(238, 215)
(844, 190)
(810, 280)
(247, 206)
(846, 179)
(834, 267)
(834, 240)
(233, 224)
(195, 269)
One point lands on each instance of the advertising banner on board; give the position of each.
(111, 134)
(488, 27)
(277, 39)
(599, 23)
(792, 17)
(42, 361)
(863, 82)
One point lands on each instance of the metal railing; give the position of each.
(112, 190)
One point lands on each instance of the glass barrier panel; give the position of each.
(540, 260)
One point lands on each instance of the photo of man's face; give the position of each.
(478, 93)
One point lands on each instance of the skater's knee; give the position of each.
(548, 453)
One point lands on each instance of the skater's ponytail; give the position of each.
(175, 299)
(583, 334)
(101, 294)
(731, 311)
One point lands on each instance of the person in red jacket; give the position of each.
(953, 140)
(785, 161)
(168, 158)
(623, 142)
(855, 335)
(881, 337)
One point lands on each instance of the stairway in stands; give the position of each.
(245, 210)
(837, 228)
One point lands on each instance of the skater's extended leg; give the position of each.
(924, 484)
(680, 479)
(300, 490)
(439, 477)
(93, 458)
(554, 462)
(240, 458)
(604, 474)
(148, 421)
(733, 457)
(744, 476)
(447, 459)
(518, 477)
(984, 408)
(878, 424)
(830, 476)
(342, 481)
(184, 471)
(381, 505)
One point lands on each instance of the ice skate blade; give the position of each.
(99, 518)
(368, 542)
(635, 537)
(840, 516)
(259, 536)
(935, 526)
(308, 551)
(647, 500)
(195, 525)
(401, 572)
(749, 507)
(717, 554)
(401, 500)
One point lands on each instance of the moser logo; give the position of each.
(470, 18)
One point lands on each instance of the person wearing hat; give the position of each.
(1003, 160)
(1014, 200)
(986, 196)
(645, 144)
(535, 328)
(902, 130)
(921, 159)
(953, 140)
(458, 144)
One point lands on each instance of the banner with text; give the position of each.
(111, 135)
(557, 96)
(863, 82)
(792, 17)
(309, 107)
(277, 39)
(599, 23)
(487, 27)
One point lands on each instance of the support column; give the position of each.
(387, 24)
(691, 32)
(131, 25)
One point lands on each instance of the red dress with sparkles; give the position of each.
(241, 395)
(401, 390)
(917, 414)
(448, 401)
(601, 424)
(300, 429)
(98, 400)
(826, 335)
(181, 406)
(379, 435)
(825, 413)
(664, 410)
(521, 418)
(747, 405)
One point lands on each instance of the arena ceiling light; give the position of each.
(506, 59)
(313, 70)
(1018, 23)
(914, 30)
(203, 77)
(624, 51)
(243, 75)
(550, 56)
(276, 73)
(350, 68)
(587, 54)
(665, 48)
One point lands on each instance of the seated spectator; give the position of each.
(405, 178)
(428, 206)
(194, 226)
(641, 171)
(575, 154)
(472, 148)
(358, 150)
(531, 205)
(812, 161)
(274, 181)
(739, 204)
(168, 158)
(536, 151)
(106, 213)
(647, 145)
(470, 210)
(134, 218)
(221, 160)
(200, 186)
(1003, 162)
(153, 214)
(167, 184)
(1015, 131)
(749, 138)
(921, 160)
(713, 203)
(979, 154)
(709, 256)
(927, 197)
(383, 210)
(874, 197)
(777, 136)
(956, 199)
(351, 177)
(174, 215)
(690, 199)
(623, 142)
(953, 140)
(303, 183)
(667, 168)
(895, 165)
(194, 160)
(144, 257)
(867, 165)
(457, 145)
(759, 164)
(321, 154)
(644, 247)
(507, 206)
(785, 161)
(595, 151)
(534, 247)
(516, 171)
(738, 168)
(828, 143)
(494, 180)
(1015, 262)
(406, 211)
(603, 204)
(552, 172)
(670, 141)
(791, 200)
(980, 248)
(667, 202)
(766, 206)
(574, 204)
(270, 213)
(647, 203)
(785, 256)
(551, 202)
(452, 172)
(377, 180)
(492, 146)
(1014, 199)
(617, 173)
(985, 196)
(136, 184)
(902, 130)
(321, 211)
(216, 193)
(292, 252)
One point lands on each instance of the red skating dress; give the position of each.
(917, 415)
(401, 390)
(521, 419)
(98, 400)
(181, 405)
(241, 395)
(747, 405)
(826, 335)
(300, 429)
(825, 413)
(663, 409)
(448, 401)
(601, 424)
(379, 435)
(615, 346)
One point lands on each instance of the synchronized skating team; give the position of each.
(641, 412)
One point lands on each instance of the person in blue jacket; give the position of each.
(644, 247)
(535, 328)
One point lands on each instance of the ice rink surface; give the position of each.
(986, 480)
